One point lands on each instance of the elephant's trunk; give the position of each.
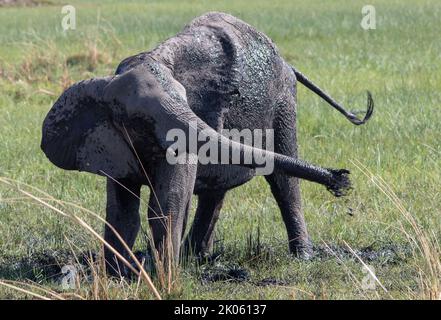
(336, 181)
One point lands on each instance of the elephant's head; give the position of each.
(83, 130)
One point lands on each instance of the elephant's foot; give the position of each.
(117, 269)
(195, 249)
(302, 250)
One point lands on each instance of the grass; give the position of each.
(393, 224)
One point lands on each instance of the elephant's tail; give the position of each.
(349, 115)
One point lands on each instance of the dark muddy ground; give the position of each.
(216, 270)
(46, 266)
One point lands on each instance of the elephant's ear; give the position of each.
(79, 134)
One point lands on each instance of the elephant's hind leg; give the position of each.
(286, 189)
(201, 235)
(122, 212)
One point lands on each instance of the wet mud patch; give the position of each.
(382, 255)
(47, 266)
(42, 266)
(390, 254)
(237, 274)
(224, 272)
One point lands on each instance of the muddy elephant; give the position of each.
(218, 73)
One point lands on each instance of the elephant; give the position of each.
(220, 73)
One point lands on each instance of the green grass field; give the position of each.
(399, 62)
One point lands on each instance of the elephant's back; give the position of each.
(245, 38)
(250, 54)
(240, 65)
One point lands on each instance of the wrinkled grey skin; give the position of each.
(219, 70)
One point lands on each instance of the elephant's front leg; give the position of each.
(169, 205)
(122, 213)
